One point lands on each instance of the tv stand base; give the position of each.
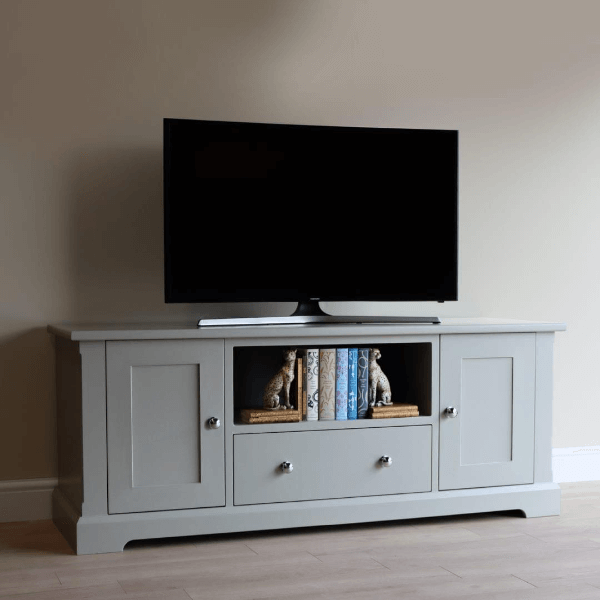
(311, 313)
(110, 533)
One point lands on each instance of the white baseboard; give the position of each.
(576, 464)
(31, 499)
(26, 499)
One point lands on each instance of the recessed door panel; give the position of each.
(486, 427)
(165, 419)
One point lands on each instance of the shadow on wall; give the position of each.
(116, 233)
(27, 443)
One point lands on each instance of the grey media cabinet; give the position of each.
(140, 456)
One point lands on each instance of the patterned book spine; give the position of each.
(341, 384)
(363, 382)
(327, 385)
(304, 388)
(352, 383)
(312, 384)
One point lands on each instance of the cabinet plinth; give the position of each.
(155, 413)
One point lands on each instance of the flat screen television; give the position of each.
(266, 212)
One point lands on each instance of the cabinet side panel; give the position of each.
(93, 422)
(69, 428)
(544, 383)
(165, 424)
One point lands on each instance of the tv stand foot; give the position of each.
(310, 313)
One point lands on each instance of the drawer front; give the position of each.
(331, 464)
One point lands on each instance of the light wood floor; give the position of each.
(494, 556)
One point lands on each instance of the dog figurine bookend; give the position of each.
(280, 384)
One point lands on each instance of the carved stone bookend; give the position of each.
(380, 393)
(280, 383)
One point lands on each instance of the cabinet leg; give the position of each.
(545, 505)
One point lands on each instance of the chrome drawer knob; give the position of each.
(214, 423)
(451, 412)
(386, 461)
(287, 467)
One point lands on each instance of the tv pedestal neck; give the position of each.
(310, 313)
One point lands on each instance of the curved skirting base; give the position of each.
(110, 533)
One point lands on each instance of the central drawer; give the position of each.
(339, 463)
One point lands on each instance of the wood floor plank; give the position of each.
(465, 553)
(364, 539)
(173, 570)
(103, 592)
(363, 583)
(552, 563)
(388, 585)
(32, 537)
(30, 580)
(243, 576)
(582, 489)
(110, 592)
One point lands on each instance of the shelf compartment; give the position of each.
(408, 367)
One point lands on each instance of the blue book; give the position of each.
(341, 384)
(352, 383)
(363, 382)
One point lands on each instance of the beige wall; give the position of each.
(84, 87)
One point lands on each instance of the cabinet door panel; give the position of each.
(161, 454)
(490, 380)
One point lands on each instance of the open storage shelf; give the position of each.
(408, 367)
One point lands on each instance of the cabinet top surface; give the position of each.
(154, 331)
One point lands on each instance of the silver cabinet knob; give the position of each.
(287, 467)
(386, 461)
(214, 423)
(451, 412)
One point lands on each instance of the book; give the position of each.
(363, 383)
(312, 384)
(341, 384)
(304, 387)
(352, 383)
(327, 384)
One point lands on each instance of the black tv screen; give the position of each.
(275, 212)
